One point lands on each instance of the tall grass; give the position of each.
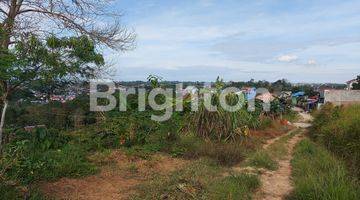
(319, 175)
(338, 128)
(222, 125)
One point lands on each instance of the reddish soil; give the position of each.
(117, 179)
(275, 130)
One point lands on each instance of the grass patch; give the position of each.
(279, 148)
(338, 129)
(319, 175)
(202, 179)
(265, 158)
(223, 153)
(234, 187)
(262, 159)
(188, 183)
(8, 192)
(291, 116)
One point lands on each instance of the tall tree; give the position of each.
(34, 60)
(25, 27)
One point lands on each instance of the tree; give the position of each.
(33, 60)
(27, 28)
(356, 86)
(63, 17)
(154, 80)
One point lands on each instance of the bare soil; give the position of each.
(277, 184)
(116, 180)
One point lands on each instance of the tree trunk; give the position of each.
(2, 121)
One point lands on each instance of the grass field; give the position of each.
(319, 175)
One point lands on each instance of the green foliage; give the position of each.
(154, 80)
(51, 60)
(318, 175)
(57, 115)
(14, 193)
(222, 125)
(356, 86)
(338, 128)
(43, 155)
(219, 83)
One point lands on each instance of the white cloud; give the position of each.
(311, 62)
(287, 58)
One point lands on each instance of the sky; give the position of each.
(198, 40)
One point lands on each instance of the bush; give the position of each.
(338, 128)
(223, 125)
(28, 165)
(42, 155)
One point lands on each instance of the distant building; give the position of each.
(350, 84)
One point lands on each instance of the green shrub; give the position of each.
(41, 138)
(27, 164)
(338, 128)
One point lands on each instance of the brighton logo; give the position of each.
(172, 100)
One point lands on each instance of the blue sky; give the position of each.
(190, 40)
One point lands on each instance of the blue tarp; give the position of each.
(298, 94)
(251, 94)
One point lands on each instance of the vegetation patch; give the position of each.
(319, 175)
(262, 159)
(338, 129)
(234, 187)
(201, 180)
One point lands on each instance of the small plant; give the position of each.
(234, 187)
(262, 159)
(132, 168)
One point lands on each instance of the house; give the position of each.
(350, 84)
(265, 97)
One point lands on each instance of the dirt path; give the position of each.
(117, 180)
(277, 184)
(305, 118)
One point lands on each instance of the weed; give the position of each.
(234, 187)
(338, 128)
(318, 175)
(188, 183)
(132, 168)
(263, 159)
